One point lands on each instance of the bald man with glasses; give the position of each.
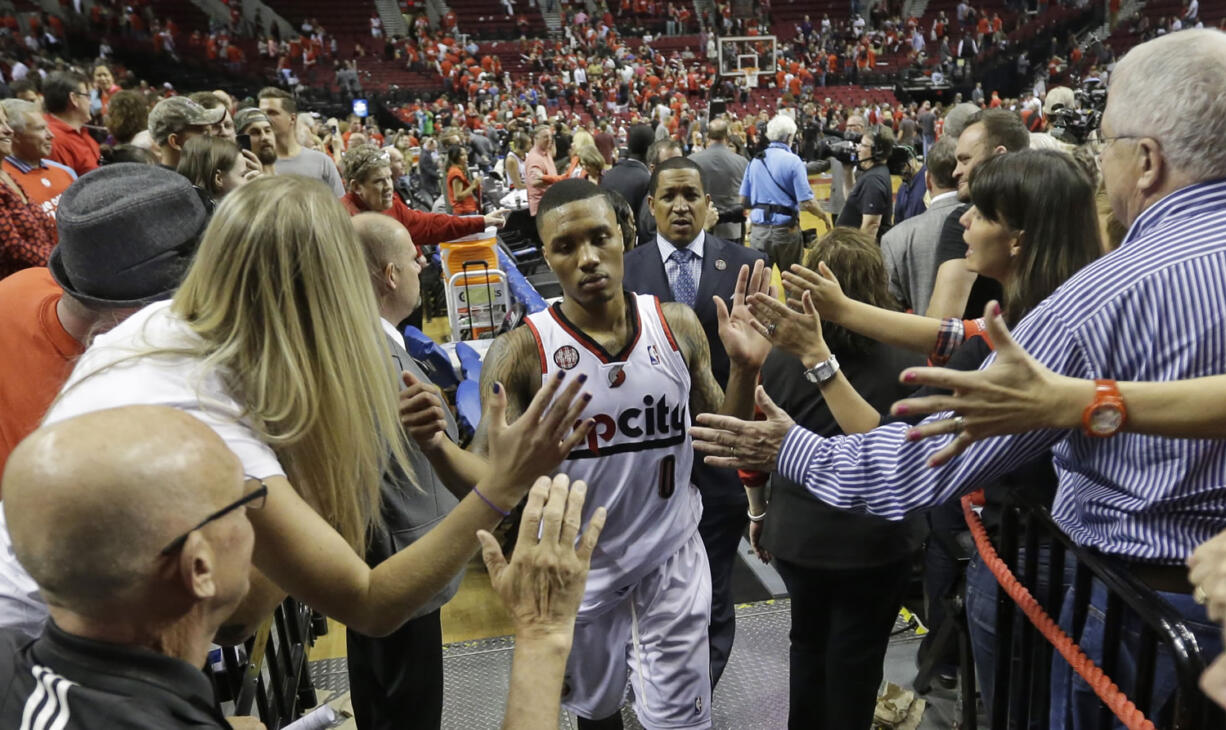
(133, 523)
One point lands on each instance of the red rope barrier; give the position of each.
(1107, 691)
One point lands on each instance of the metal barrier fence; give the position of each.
(1046, 562)
(269, 677)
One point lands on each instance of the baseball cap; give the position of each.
(178, 113)
(248, 116)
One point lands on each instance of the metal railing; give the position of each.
(274, 681)
(1023, 656)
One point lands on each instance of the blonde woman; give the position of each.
(274, 341)
(591, 163)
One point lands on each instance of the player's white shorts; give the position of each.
(656, 632)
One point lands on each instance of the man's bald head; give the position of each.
(391, 259)
(91, 501)
(717, 130)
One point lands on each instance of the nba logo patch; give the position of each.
(566, 357)
(651, 353)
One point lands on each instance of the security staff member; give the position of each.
(776, 188)
(870, 202)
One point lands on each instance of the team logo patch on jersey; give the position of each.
(617, 376)
(566, 357)
(697, 705)
(651, 353)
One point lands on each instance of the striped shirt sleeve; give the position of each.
(882, 473)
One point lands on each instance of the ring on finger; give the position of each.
(959, 424)
(770, 329)
(1200, 596)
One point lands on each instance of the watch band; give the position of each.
(823, 372)
(1105, 416)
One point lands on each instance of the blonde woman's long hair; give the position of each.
(280, 295)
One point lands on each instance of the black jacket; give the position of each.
(644, 274)
(91, 685)
(804, 530)
(630, 178)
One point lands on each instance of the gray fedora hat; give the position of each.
(127, 235)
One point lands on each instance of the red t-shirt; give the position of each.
(72, 147)
(39, 354)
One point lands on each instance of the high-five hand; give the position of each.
(1014, 394)
(796, 332)
(745, 346)
(543, 584)
(739, 444)
(822, 285)
(539, 439)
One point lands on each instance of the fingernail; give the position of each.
(582, 378)
(996, 309)
(497, 388)
(900, 410)
(913, 435)
(587, 397)
(909, 377)
(561, 374)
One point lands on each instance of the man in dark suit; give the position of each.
(397, 680)
(687, 265)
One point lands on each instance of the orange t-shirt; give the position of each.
(43, 185)
(39, 354)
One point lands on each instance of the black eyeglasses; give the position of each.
(251, 500)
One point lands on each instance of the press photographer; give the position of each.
(776, 187)
(870, 200)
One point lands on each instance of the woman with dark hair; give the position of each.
(1013, 236)
(515, 162)
(846, 573)
(214, 165)
(461, 194)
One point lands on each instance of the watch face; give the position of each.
(1106, 419)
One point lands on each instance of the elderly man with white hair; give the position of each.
(1148, 311)
(776, 188)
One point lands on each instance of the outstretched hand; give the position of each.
(744, 345)
(540, 438)
(1016, 393)
(796, 332)
(543, 583)
(823, 287)
(733, 443)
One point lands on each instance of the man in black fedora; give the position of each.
(127, 233)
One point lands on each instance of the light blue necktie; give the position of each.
(685, 289)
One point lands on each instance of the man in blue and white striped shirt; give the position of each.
(1152, 310)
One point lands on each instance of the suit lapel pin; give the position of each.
(720, 264)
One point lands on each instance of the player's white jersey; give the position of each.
(637, 457)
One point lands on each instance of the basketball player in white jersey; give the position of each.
(647, 366)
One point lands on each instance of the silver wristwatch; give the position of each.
(823, 372)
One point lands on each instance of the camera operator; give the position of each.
(855, 126)
(776, 187)
(870, 201)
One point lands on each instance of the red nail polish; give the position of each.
(900, 410)
(909, 377)
(997, 309)
(913, 435)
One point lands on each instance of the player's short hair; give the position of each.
(566, 192)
